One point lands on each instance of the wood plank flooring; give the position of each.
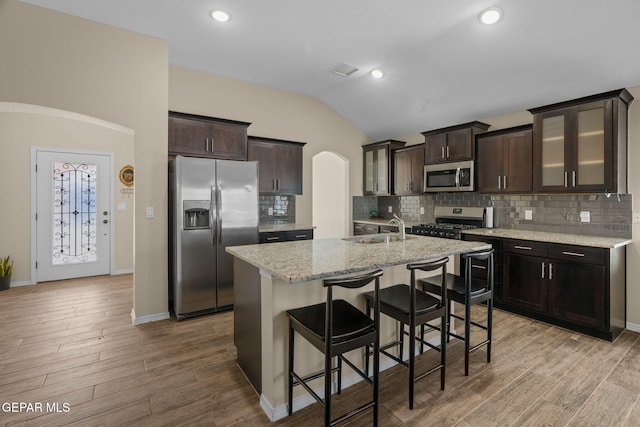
(71, 344)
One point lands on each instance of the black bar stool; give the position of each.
(412, 307)
(334, 328)
(468, 291)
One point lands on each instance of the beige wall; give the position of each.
(58, 61)
(23, 126)
(274, 114)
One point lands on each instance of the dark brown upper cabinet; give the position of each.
(201, 136)
(408, 170)
(581, 145)
(378, 167)
(279, 165)
(504, 160)
(452, 143)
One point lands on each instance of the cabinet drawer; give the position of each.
(525, 247)
(299, 235)
(273, 236)
(583, 254)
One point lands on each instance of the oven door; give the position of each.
(454, 176)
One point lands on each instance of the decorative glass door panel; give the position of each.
(73, 221)
(368, 172)
(74, 213)
(591, 145)
(553, 141)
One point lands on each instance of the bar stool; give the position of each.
(468, 291)
(335, 327)
(412, 307)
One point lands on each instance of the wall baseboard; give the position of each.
(123, 271)
(21, 283)
(148, 318)
(633, 327)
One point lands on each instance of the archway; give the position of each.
(330, 202)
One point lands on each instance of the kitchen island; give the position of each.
(270, 279)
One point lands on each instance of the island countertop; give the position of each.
(307, 260)
(567, 239)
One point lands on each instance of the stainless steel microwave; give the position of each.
(451, 176)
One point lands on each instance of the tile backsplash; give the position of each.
(277, 208)
(610, 215)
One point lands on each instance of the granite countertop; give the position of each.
(284, 227)
(306, 260)
(541, 236)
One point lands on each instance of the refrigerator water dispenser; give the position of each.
(196, 214)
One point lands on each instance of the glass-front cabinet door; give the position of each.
(368, 172)
(551, 150)
(593, 162)
(382, 173)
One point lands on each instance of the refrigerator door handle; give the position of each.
(212, 209)
(218, 214)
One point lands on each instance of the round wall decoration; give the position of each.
(126, 175)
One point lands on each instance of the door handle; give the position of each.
(573, 174)
(447, 151)
(565, 178)
(212, 209)
(499, 182)
(442, 152)
(219, 215)
(550, 271)
(542, 271)
(458, 179)
(504, 182)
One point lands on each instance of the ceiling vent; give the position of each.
(344, 70)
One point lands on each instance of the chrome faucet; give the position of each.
(396, 220)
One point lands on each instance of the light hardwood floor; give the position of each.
(72, 343)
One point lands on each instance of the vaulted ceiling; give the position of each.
(442, 66)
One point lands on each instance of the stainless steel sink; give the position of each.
(377, 238)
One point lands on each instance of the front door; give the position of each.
(72, 215)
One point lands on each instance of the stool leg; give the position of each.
(421, 338)
(376, 375)
(448, 325)
(339, 374)
(401, 346)
(327, 390)
(443, 349)
(291, 340)
(368, 351)
(489, 322)
(412, 361)
(467, 336)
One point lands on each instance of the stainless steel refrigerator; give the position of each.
(213, 204)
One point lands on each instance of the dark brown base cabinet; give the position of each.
(285, 236)
(576, 287)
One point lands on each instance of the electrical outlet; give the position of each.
(422, 210)
(636, 217)
(270, 211)
(390, 209)
(528, 214)
(585, 216)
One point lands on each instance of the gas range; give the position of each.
(451, 221)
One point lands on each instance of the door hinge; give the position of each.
(36, 167)
(36, 265)
(36, 216)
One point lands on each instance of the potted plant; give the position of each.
(6, 267)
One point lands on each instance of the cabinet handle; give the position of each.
(543, 270)
(573, 174)
(572, 253)
(301, 236)
(273, 184)
(277, 184)
(565, 178)
(499, 182)
(206, 145)
(504, 182)
(442, 152)
(550, 271)
(447, 151)
(526, 248)
(273, 238)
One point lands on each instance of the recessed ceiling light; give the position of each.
(490, 16)
(378, 74)
(220, 15)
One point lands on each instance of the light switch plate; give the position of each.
(390, 209)
(150, 213)
(270, 211)
(528, 214)
(585, 216)
(421, 210)
(121, 206)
